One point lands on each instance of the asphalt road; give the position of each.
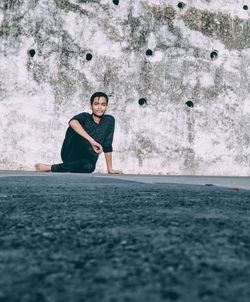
(72, 237)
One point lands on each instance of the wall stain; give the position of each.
(143, 148)
(233, 32)
(89, 1)
(11, 4)
(68, 6)
(138, 31)
(163, 13)
(190, 161)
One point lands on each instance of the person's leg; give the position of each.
(78, 166)
(77, 148)
(42, 167)
(77, 157)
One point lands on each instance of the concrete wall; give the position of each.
(46, 78)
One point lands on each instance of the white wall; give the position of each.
(38, 95)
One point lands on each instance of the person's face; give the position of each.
(99, 106)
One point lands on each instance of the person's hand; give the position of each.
(96, 147)
(115, 172)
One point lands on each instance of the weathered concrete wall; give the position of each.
(46, 78)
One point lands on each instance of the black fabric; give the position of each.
(77, 153)
(102, 133)
(79, 166)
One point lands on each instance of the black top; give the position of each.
(102, 133)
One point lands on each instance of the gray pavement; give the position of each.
(222, 181)
(93, 237)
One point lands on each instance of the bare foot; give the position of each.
(42, 168)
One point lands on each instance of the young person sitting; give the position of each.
(87, 136)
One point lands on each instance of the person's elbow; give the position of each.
(107, 149)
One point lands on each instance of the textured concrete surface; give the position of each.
(72, 237)
(149, 49)
(222, 181)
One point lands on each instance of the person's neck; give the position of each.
(96, 118)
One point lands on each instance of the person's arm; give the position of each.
(77, 127)
(108, 157)
(108, 149)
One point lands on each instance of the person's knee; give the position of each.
(89, 168)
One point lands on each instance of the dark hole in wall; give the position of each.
(245, 7)
(181, 5)
(149, 52)
(214, 55)
(89, 56)
(142, 101)
(190, 104)
(32, 52)
(116, 2)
